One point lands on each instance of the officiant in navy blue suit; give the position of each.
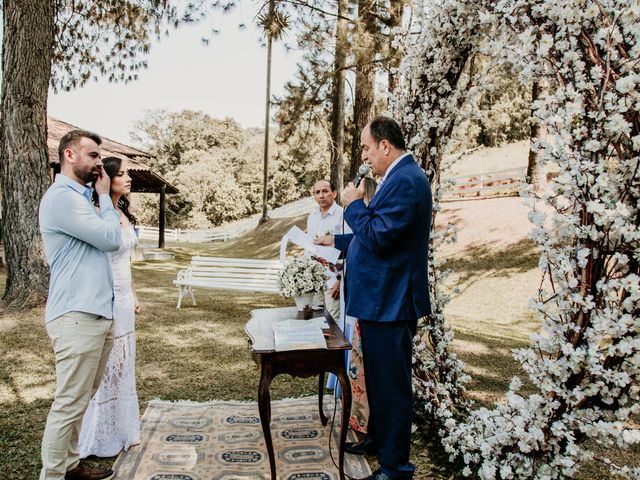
(387, 287)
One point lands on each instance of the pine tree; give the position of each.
(28, 33)
(65, 44)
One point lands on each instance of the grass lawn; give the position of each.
(200, 353)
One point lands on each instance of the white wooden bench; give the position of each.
(227, 273)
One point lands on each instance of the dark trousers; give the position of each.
(386, 350)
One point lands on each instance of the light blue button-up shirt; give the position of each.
(76, 239)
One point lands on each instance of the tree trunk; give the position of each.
(396, 9)
(532, 162)
(267, 115)
(365, 79)
(27, 52)
(337, 113)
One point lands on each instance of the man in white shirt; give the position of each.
(327, 219)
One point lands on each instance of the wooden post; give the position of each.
(163, 192)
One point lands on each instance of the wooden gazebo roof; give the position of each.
(144, 179)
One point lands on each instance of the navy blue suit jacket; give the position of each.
(386, 256)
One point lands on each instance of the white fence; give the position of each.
(183, 235)
(483, 184)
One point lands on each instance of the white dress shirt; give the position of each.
(329, 224)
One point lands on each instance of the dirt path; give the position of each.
(494, 222)
(494, 267)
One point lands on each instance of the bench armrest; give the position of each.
(183, 276)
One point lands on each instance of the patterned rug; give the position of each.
(223, 441)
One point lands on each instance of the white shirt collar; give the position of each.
(391, 167)
(331, 211)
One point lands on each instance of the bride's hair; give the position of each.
(112, 166)
(369, 189)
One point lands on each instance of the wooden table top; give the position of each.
(260, 329)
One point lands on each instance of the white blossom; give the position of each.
(589, 327)
(301, 275)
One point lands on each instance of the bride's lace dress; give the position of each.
(112, 421)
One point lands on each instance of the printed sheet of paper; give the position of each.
(295, 323)
(298, 337)
(301, 239)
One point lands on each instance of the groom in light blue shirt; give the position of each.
(79, 312)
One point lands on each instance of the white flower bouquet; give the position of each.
(301, 276)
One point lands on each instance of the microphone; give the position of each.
(362, 172)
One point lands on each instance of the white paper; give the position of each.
(294, 323)
(298, 337)
(328, 253)
(301, 239)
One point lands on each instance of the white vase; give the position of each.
(303, 300)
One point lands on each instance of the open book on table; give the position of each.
(298, 335)
(294, 323)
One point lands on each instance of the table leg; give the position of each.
(323, 418)
(264, 407)
(346, 413)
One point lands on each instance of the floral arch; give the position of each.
(585, 361)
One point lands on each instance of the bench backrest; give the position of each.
(235, 273)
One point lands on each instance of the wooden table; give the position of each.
(297, 363)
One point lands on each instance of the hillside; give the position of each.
(485, 160)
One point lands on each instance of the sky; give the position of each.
(227, 78)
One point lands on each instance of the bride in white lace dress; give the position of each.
(112, 421)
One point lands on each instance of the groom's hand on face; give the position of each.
(102, 183)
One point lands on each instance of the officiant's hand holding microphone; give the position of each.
(355, 189)
(352, 193)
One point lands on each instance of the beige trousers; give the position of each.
(81, 343)
(332, 305)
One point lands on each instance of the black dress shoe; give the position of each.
(360, 448)
(378, 475)
(86, 471)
